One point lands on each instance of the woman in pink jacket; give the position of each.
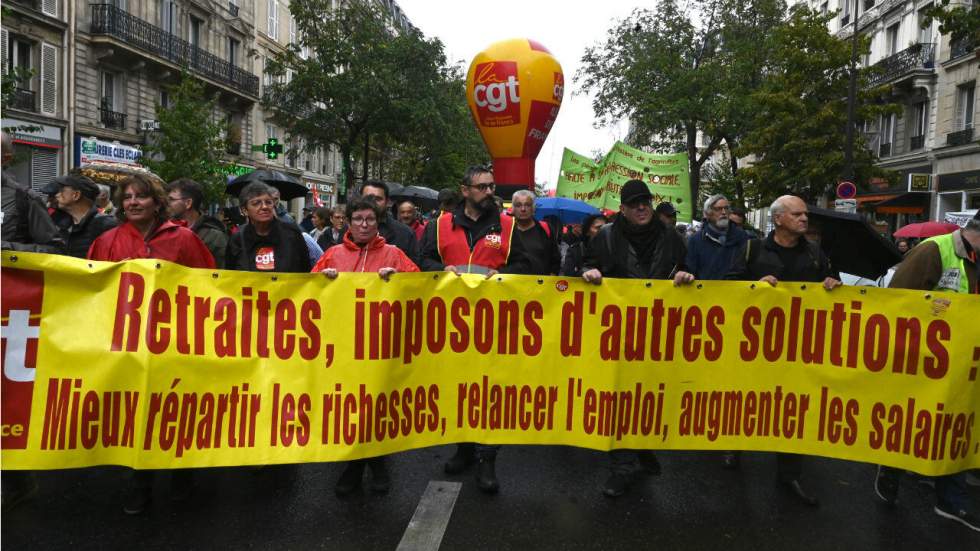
(363, 250)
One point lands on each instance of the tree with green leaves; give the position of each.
(364, 84)
(797, 134)
(190, 142)
(962, 21)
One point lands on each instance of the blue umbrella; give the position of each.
(569, 211)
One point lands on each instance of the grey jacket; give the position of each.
(26, 224)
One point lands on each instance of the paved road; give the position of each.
(550, 499)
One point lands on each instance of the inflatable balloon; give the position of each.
(514, 89)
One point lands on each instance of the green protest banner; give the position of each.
(598, 184)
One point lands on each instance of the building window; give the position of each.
(233, 47)
(918, 122)
(925, 32)
(891, 40)
(965, 100)
(110, 95)
(194, 34)
(164, 99)
(887, 134)
(845, 12)
(168, 16)
(273, 19)
(292, 29)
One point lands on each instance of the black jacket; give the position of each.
(26, 224)
(431, 260)
(611, 253)
(79, 237)
(289, 246)
(326, 239)
(541, 249)
(399, 235)
(762, 257)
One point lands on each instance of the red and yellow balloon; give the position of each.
(514, 89)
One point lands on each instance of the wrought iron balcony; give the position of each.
(24, 99)
(112, 119)
(885, 150)
(917, 142)
(919, 56)
(962, 137)
(112, 21)
(961, 47)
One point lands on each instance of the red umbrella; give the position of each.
(926, 229)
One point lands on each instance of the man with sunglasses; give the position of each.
(474, 238)
(637, 245)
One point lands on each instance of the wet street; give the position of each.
(550, 498)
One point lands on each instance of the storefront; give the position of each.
(958, 192)
(321, 194)
(903, 201)
(37, 152)
(92, 150)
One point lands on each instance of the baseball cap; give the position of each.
(634, 190)
(666, 209)
(83, 184)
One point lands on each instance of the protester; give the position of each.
(575, 257)
(903, 246)
(321, 221)
(408, 214)
(146, 232)
(104, 202)
(448, 200)
(538, 238)
(394, 232)
(185, 197)
(306, 224)
(710, 251)
(637, 245)
(266, 243)
(81, 222)
(232, 218)
(737, 217)
(945, 263)
(785, 256)
(334, 235)
(667, 214)
(282, 212)
(26, 224)
(474, 238)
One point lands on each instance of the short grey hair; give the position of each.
(709, 203)
(522, 193)
(778, 207)
(104, 189)
(253, 190)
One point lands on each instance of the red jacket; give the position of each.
(348, 257)
(168, 242)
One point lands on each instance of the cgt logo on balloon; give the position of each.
(496, 93)
(23, 293)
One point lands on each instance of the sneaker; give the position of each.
(380, 478)
(962, 516)
(464, 457)
(649, 463)
(616, 485)
(350, 479)
(886, 485)
(136, 500)
(486, 477)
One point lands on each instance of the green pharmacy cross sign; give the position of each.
(271, 148)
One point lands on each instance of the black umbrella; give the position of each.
(422, 196)
(854, 247)
(288, 186)
(394, 188)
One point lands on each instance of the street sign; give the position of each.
(846, 190)
(147, 126)
(846, 205)
(920, 182)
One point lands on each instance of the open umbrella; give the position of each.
(288, 186)
(569, 211)
(852, 245)
(394, 188)
(926, 229)
(424, 197)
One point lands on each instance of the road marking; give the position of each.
(428, 524)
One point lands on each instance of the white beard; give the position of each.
(721, 224)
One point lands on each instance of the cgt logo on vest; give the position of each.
(497, 93)
(265, 259)
(23, 292)
(493, 240)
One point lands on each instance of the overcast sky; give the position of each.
(566, 28)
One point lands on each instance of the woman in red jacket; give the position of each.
(147, 232)
(363, 250)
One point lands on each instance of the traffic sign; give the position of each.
(846, 190)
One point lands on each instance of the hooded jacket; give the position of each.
(377, 254)
(167, 242)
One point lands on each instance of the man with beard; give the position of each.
(474, 238)
(637, 245)
(185, 198)
(710, 251)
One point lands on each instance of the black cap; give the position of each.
(666, 209)
(739, 211)
(83, 184)
(634, 190)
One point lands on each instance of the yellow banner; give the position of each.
(152, 365)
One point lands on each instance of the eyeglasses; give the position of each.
(483, 187)
(261, 203)
(722, 209)
(360, 221)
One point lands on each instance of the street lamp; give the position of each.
(851, 99)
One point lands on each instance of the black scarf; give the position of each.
(643, 239)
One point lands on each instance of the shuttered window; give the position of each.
(49, 79)
(44, 167)
(49, 7)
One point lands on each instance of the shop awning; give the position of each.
(913, 202)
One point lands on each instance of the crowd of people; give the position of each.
(469, 233)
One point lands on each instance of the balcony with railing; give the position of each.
(913, 58)
(112, 119)
(917, 142)
(961, 137)
(962, 47)
(24, 99)
(111, 21)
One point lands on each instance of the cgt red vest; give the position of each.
(489, 253)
